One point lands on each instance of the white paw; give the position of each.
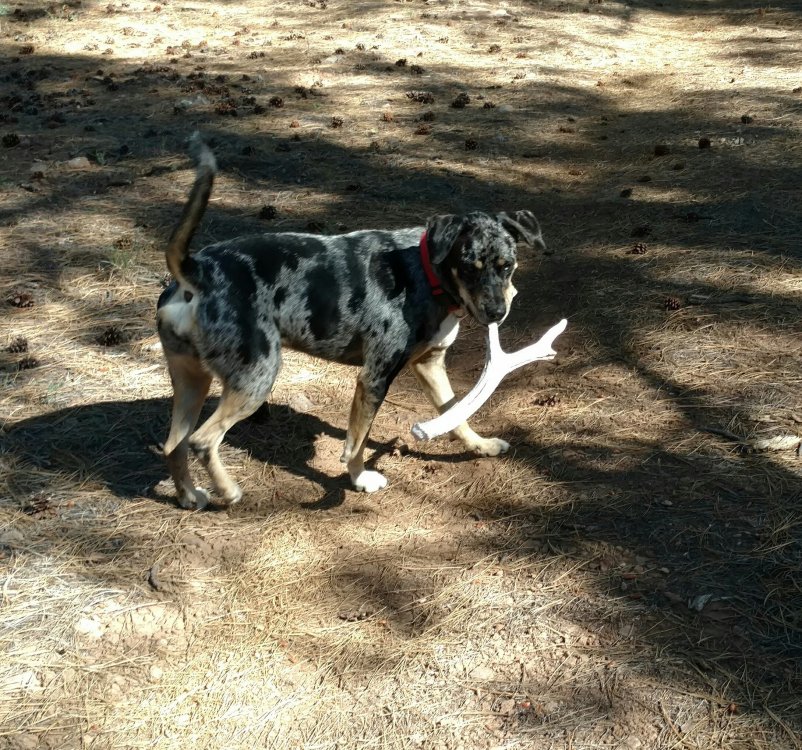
(490, 446)
(232, 495)
(369, 481)
(197, 499)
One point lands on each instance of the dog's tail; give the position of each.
(178, 247)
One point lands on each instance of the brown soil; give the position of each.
(628, 577)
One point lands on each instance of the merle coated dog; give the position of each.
(379, 299)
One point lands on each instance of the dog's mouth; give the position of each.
(487, 314)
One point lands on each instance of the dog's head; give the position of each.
(475, 255)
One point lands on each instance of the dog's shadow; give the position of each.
(118, 444)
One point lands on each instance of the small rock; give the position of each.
(89, 627)
(156, 673)
(699, 602)
(190, 103)
(482, 674)
(300, 402)
(79, 162)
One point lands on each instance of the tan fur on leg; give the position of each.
(234, 406)
(190, 386)
(363, 412)
(430, 371)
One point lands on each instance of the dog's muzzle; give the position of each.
(493, 312)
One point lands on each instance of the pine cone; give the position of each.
(638, 249)
(552, 400)
(112, 336)
(123, 243)
(672, 303)
(39, 507)
(28, 363)
(18, 346)
(422, 97)
(21, 299)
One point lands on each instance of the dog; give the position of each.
(379, 299)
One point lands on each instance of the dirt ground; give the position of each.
(629, 576)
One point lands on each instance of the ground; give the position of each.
(629, 576)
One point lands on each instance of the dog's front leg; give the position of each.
(430, 370)
(367, 399)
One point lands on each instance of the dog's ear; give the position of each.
(524, 227)
(442, 233)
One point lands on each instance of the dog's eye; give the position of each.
(506, 268)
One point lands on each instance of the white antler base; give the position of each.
(498, 363)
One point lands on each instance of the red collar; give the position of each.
(434, 279)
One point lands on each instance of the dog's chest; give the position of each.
(446, 334)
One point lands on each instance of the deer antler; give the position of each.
(497, 364)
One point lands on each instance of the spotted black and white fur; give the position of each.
(360, 299)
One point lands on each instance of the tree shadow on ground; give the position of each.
(118, 444)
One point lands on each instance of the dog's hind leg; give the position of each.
(190, 386)
(235, 405)
(430, 370)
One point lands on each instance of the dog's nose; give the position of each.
(494, 313)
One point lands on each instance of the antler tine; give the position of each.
(498, 363)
